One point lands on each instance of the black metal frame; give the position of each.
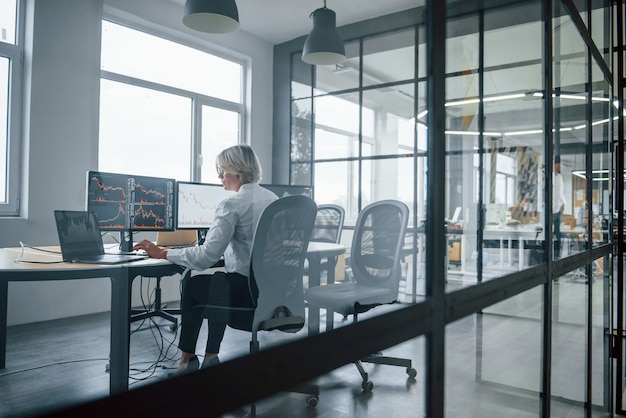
(428, 318)
(619, 149)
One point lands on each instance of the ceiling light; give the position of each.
(504, 97)
(472, 133)
(211, 16)
(462, 102)
(323, 45)
(530, 132)
(570, 96)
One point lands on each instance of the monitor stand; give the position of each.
(202, 235)
(126, 241)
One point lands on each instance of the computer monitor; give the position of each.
(127, 203)
(196, 204)
(282, 190)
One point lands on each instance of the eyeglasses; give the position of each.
(220, 171)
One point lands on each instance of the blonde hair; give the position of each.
(241, 160)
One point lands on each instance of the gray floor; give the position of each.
(493, 364)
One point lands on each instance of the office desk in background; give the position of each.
(121, 276)
(509, 234)
(316, 252)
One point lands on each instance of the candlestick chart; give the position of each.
(125, 202)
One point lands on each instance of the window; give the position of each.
(166, 109)
(10, 115)
(354, 125)
(505, 180)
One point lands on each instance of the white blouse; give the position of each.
(232, 232)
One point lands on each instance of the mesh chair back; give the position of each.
(280, 244)
(328, 224)
(377, 244)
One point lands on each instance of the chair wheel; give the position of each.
(312, 401)
(411, 372)
(367, 385)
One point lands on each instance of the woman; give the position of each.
(231, 236)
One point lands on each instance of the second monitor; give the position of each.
(196, 203)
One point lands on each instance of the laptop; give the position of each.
(177, 239)
(81, 241)
(457, 213)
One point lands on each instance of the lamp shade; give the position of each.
(323, 45)
(212, 16)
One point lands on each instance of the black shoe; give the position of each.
(210, 362)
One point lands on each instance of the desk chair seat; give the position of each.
(342, 297)
(375, 258)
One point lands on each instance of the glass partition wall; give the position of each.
(493, 121)
(527, 190)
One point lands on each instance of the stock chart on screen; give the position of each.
(134, 203)
(197, 202)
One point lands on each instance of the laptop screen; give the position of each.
(79, 234)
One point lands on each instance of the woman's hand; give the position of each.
(151, 249)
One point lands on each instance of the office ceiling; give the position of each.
(278, 21)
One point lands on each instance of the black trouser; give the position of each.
(203, 295)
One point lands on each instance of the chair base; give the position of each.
(168, 314)
(310, 389)
(304, 388)
(158, 310)
(368, 385)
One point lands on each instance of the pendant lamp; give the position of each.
(211, 16)
(323, 45)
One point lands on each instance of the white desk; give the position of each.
(519, 233)
(121, 276)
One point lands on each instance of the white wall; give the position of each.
(61, 133)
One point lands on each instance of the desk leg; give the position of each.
(463, 254)
(120, 331)
(4, 290)
(501, 252)
(314, 280)
(521, 254)
(509, 255)
(330, 278)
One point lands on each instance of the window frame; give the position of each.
(198, 100)
(15, 54)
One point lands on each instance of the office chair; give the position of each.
(375, 262)
(277, 266)
(585, 272)
(327, 228)
(328, 223)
